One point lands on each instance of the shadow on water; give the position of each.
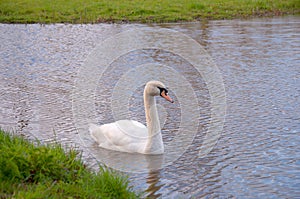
(257, 155)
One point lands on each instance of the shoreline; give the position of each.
(153, 23)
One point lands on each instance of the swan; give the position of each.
(131, 136)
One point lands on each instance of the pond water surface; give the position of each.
(257, 154)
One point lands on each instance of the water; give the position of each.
(257, 154)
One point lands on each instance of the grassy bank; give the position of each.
(30, 170)
(94, 11)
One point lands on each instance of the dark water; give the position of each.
(255, 156)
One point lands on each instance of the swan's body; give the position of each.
(132, 136)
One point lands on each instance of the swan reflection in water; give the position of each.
(131, 163)
(153, 180)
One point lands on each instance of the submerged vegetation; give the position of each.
(32, 170)
(94, 11)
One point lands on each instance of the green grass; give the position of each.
(32, 170)
(94, 11)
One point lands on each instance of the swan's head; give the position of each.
(156, 88)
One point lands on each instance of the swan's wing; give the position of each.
(132, 128)
(123, 135)
(125, 132)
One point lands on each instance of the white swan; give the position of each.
(132, 136)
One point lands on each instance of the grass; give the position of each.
(32, 170)
(146, 11)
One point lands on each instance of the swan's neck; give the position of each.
(154, 142)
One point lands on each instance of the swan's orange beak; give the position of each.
(167, 97)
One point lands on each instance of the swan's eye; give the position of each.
(163, 90)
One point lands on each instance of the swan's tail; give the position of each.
(93, 127)
(95, 132)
